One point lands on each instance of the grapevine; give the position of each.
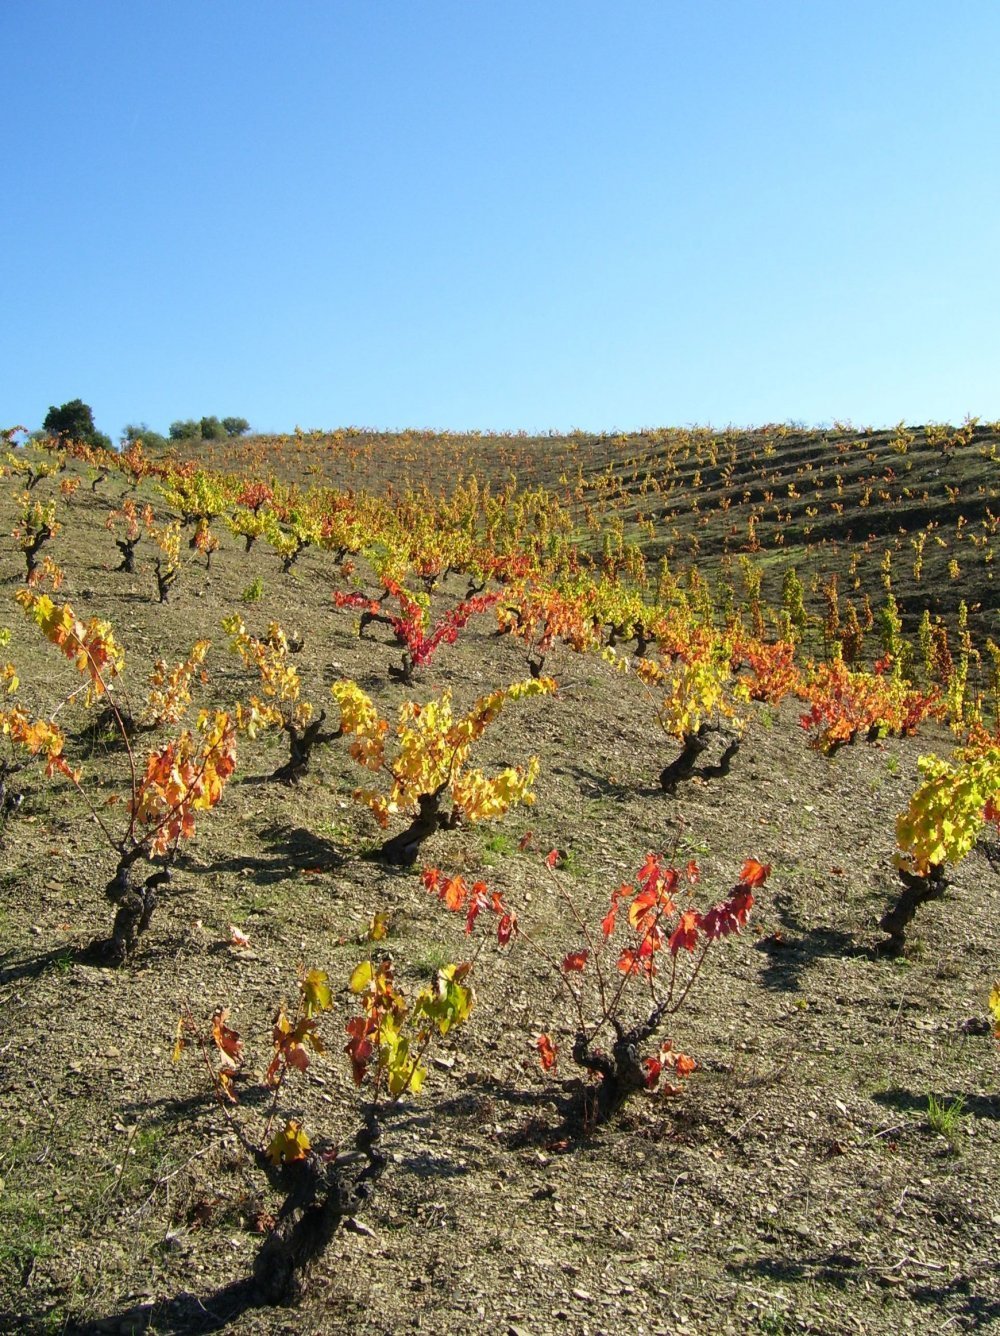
(430, 764)
(693, 699)
(183, 776)
(281, 706)
(944, 818)
(663, 942)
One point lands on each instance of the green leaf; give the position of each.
(449, 1002)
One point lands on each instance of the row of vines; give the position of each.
(710, 660)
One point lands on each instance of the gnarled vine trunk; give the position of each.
(301, 742)
(693, 748)
(322, 1194)
(136, 901)
(127, 548)
(402, 849)
(916, 891)
(621, 1070)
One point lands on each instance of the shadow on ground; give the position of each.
(289, 850)
(798, 946)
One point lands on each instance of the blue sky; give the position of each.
(538, 215)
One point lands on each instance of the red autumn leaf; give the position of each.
(576, 960)
(480, 898)
(729, 916)
(686, 933)
(739, 905)
(551, 859)
(692, 873)
(546, 1052)
(683, 1065)
(754, 873)
(653, 1068)
(506, 928)
(608, 922)
(359, 1047)
(297, 1057)
(525, 840)
(650, 872)
(719, 922)
(431, 877)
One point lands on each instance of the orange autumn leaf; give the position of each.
(637, 961)
(576, 960)
(546, 1052)
(454, 892)
(227, 1041)
(754, 873)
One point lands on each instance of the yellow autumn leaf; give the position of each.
(361, 977)
(378, 928)
(316, 994)
(288, 1145)
(179, 1044)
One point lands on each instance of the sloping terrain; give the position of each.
(827, 502)
(799, 1182)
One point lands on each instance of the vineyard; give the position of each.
(541, 884)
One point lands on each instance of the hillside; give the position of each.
(796, 1181)
(825, 502)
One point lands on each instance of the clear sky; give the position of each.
(505, 214)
